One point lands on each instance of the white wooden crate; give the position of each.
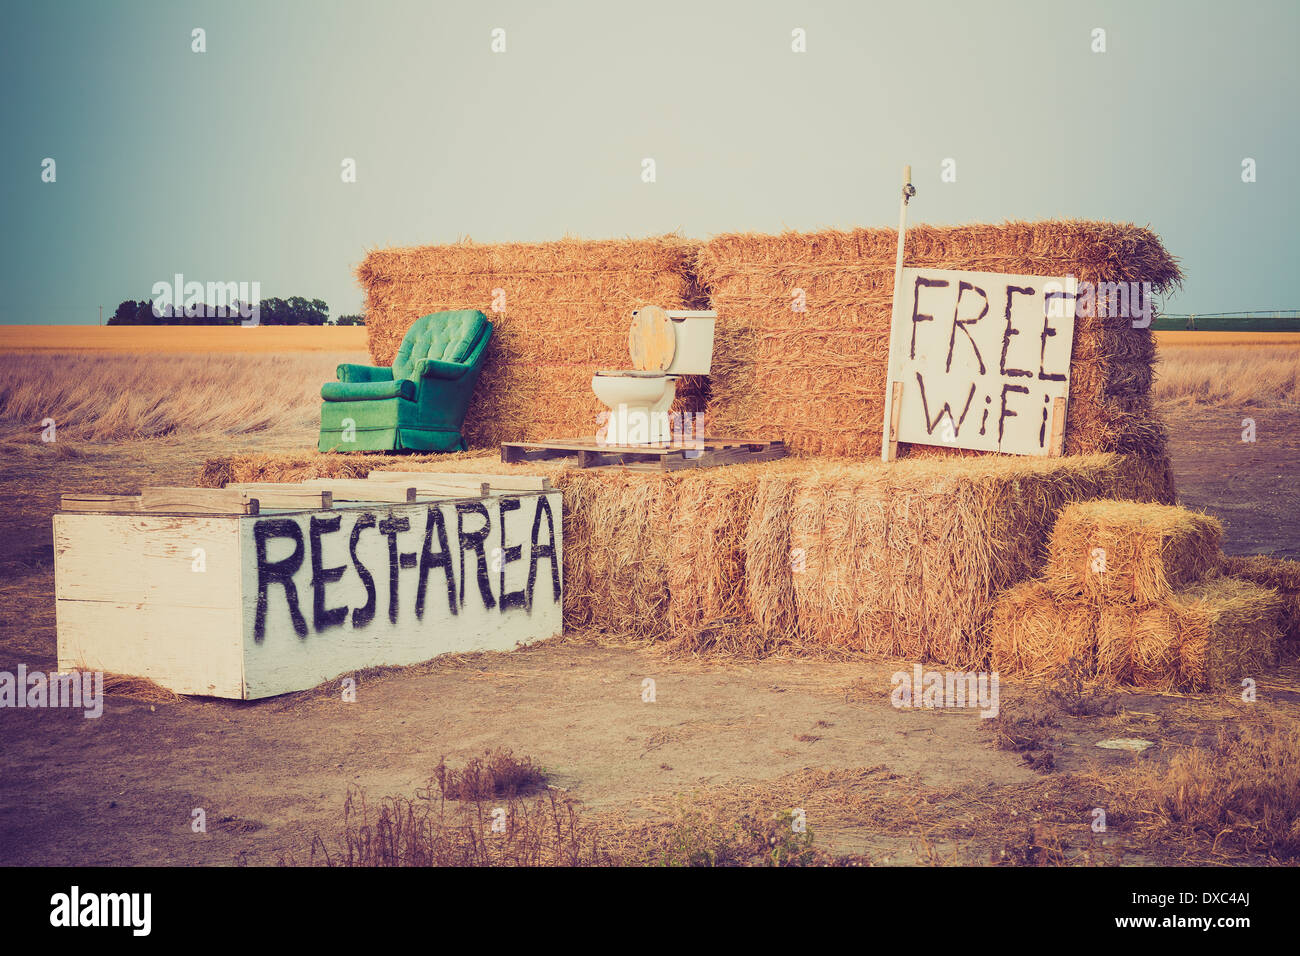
(252, 605)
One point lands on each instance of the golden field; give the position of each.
(298, 338)
(183, 338)
(133, 382)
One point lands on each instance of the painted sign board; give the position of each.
(982, 359)
(257, 605)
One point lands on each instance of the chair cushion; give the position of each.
(366, 391)
(442, 336)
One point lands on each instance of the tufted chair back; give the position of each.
(445, 336)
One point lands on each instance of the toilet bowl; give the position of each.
(663, 346)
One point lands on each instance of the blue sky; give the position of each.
(225, 165)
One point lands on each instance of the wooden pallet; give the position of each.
(669, 456)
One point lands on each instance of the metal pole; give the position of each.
(908, 192)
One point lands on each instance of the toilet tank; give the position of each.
(694, 342)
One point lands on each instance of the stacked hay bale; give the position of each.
(1133, 593)
(1279, 574)
(906, 560)
(816, 557)
(560, 311)
(817, 377)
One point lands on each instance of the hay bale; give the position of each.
(1115, 634)
(769, 559)
(1207, 636)
(707, 518)
(906, 560)
(1278, 573)
(817, 378)
(1118, 551)
(1034, 633)
(1197, 638)
(567, 309)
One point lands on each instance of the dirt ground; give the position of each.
(898, 785)
(1253, 487)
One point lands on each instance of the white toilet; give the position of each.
(664, 346)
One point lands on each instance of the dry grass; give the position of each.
(498, 773)
(1244, 789)
(426, 831)
(1234, 376)
(113, 397)
(487, 830)
(191, 339)
(1231, 801)
(1024, 724)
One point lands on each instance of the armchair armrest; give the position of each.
(436, 368)
(364, 373)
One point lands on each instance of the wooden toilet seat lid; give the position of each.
(651, 341)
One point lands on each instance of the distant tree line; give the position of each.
(294, 310)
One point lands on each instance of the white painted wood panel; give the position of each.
(137, 558)
(368, 612)
(189, 650)
(131, 598)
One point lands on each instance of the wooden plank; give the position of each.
(432, 484)
(573, 445)
(895, 409)
(666, 457)
(100, 503)
(197, 501)
(442, 489)
(664, 448)
(359, 489)
(517, 454)
(738, 455)
(139, 558)
(286, 496)
(497, 482)
(1058, 428)
(735, 440)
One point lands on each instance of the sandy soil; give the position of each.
(271, 775)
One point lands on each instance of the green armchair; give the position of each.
(420, 402)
